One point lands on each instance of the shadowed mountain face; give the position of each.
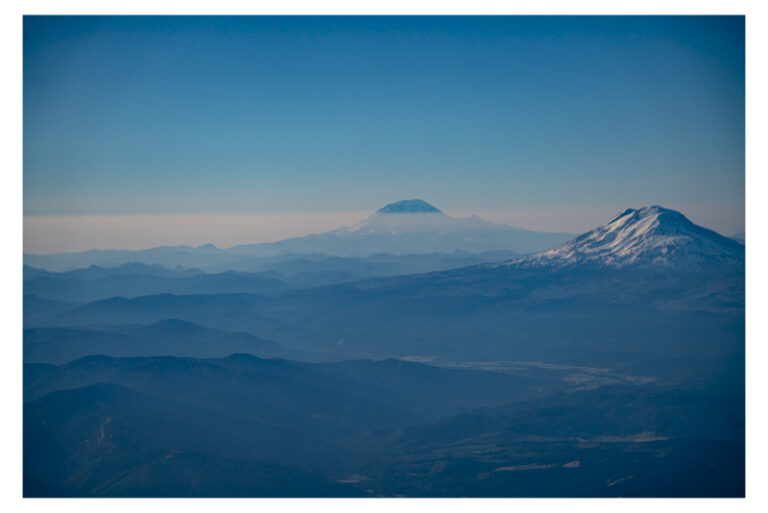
(110, 441)
(387, 391)
(185, 427)
(414, 206)
(662, 443)
(611, 365)
(104, 426)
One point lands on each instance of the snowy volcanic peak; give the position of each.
(414, 226)
(412, 206)
(649, 235)
(419, 217)
(406, 216)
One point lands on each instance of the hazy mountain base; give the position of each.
(238, 275)
(596, 317)
(610, 366)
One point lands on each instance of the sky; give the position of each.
(140, 131)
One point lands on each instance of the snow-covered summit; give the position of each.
(412, 206)
(648, 235)
(413, 227)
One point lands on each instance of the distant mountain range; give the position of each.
(649, 280)
(403, 228)
(414, 227)
(611, 364)
(163, 338)
(257, 275)
(133, 280)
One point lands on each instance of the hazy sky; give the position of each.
(560, 118)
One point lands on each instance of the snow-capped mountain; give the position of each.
(412, 227)
(409, 227)
(648, 235)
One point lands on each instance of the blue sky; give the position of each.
(196, 115)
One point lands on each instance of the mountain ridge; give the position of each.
(651, 235)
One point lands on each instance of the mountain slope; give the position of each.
(108, 440)
(167, 337)
(413, 226)
(649, 235)
(243, 426)
(93, 283)
(261, 275)
(318, 395)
